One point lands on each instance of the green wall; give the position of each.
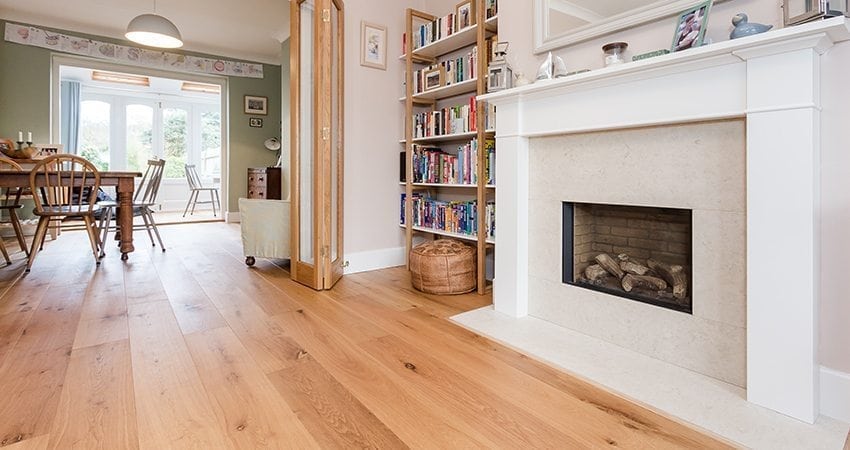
(25, 73)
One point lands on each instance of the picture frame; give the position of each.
(465, 14)
(373, 45)
(690, 27)
(434, 78)
(256, 105)
(255, 122)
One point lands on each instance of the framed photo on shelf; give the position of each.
(691, 26)
(256, 105)
(465, 13)
(373, 45)
(434, 78)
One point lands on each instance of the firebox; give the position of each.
(634, 252)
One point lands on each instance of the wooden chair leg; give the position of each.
(105, 220)
(148, 228)
(19, 231)
(37, 240)
(195, 202)
(191, 194)
(155, 229)
(5, 252)
(90, 229)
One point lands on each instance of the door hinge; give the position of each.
(326, 15)
(326, 133)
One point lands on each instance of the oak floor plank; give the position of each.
(248, 407)
(172, 408)
(140, 273)
(104, 312)
(411, 418)
(97, 407)
(31, 377)
(35, 443)
(332, 415)
(632, 428)
(192, 307)
(474, 404)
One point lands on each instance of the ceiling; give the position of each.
(243, 29)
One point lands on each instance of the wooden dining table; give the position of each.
(124, 183)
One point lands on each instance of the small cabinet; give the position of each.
(264, 183)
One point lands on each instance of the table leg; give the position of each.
(125, 215)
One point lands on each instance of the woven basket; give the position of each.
(442, 267)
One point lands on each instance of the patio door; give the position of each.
(317, 141)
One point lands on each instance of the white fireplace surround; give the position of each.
(778, 82)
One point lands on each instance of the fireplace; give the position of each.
(635, 252)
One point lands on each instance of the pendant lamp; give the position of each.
(154, 30)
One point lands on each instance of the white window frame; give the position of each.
(59, 60)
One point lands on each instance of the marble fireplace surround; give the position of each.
(695, 166)
(771, 85)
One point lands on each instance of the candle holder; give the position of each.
(20, 145)
(29, 143)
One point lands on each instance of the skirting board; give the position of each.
(232, 217)
(374, 260)
(835, 394)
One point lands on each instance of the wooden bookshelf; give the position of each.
(475, 35)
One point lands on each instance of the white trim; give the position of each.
(374, 260)
(59, 60)
(835, 394)
(232, 217)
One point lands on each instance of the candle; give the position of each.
(20, 136)
(29, 136)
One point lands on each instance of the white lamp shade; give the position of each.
(154, 31)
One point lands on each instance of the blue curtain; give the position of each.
(70, 102)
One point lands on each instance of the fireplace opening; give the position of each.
(635, 252)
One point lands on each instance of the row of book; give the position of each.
(449, 120)
(433, 165)
(491, 7)
(454, 217)
(433, 31)
(455, 70)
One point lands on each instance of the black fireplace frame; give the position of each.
(568, 267)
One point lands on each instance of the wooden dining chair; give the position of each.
(196, 187)
(64, 186)
(11, 204)
(143, 203)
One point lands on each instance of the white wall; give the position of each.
(515, 26)
(373, 127)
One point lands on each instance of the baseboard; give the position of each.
(374, 260)
(835, 394)
(232, 217)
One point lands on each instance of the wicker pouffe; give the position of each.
(444, 266)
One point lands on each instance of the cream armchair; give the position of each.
(265, 229)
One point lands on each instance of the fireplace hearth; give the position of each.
(635, 252)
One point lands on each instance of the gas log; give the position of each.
(595, 272)
(673, 274)
(610, 264)
(632, 281)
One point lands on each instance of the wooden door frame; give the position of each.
(324, 272)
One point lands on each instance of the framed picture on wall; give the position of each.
(256, 105)
(373, 45)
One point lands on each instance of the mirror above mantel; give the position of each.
(558, 23)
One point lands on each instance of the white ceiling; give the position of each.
(245, 29)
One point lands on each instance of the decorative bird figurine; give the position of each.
(743, 28)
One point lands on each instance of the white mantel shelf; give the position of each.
(819, 36)
(789, 85)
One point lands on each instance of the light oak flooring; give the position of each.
(191, 349)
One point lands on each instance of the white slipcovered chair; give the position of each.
(265, 229)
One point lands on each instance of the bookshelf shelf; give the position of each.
(449, 157)
(446, 185)
(466, 237)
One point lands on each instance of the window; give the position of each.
(121, 131)
(95, 127)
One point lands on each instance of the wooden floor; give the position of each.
(191, 349)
